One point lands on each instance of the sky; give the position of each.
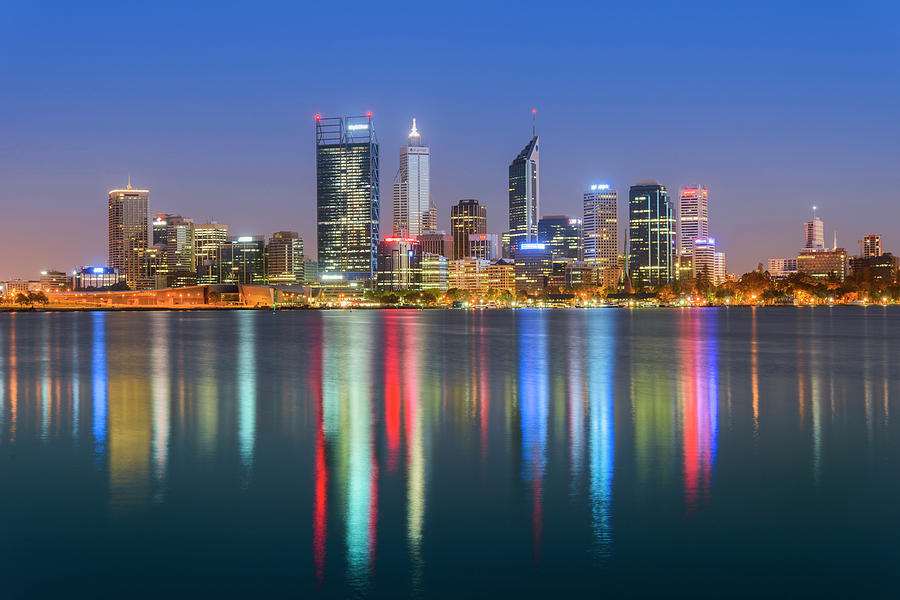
(774, 106)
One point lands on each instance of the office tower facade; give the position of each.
(399, 264)
(129, 228)
(502, 275)
(562, 234)
(601, 233)
(485, 246)
(524, 185)
(437, 242)
(469, 274)
(243, 260)
(347, 201)
(413, 209)
(719, 272)
(821, 263)
(693, 217)
(781, 267)
(466, 218)
(180, 254)
(207, 239)
(533, 266)
(434, 272)
(651, 235)
(703, 258)
(160, 221)
(54, 281)
(814, 233)
(870, 246)
(284, 258)
(878, 269)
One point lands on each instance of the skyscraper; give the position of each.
(870, 246)
(243, 260)
(180, 244)
(466, 218)
(207, 239)
(693, 216)
(651, 235)
(413, 208)
(347, 200)
(601, 232)
(524, 183)
(562, 235)
(703, 259)
(129, 230)
(814, 231)
(284, 258)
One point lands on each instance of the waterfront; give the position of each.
(704, 451)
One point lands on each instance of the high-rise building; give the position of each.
(466, 218)
(159, 228)
(485, 246)
(129, 229)
(693, 216)
(719, 273)
(207, 239)
(413, 209)
(347, 200)
(437, 242)
(469, 274)
(651, 235)
(399, 264)
(534, 264)
(814, 232)
(524, 183)
(562, 234)
(781, 267)
(434, 271)
(870, 246)
(601, 232)
(243, 260)
(820, 263)
(284, 258)
(180, 254)
(703, 258)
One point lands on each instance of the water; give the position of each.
(605, 452)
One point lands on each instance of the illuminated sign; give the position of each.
(532, 246)
(401, 239)
(332, 277)
(97, 269)
(600, 186)
(245, 238)
(357, 126)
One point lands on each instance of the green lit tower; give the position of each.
(651, 235)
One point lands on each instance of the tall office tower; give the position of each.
(284, 255)
(651, 235)
(703, 258)
(129, 230)
(815, 233)
(243, 260)
(523, 195)
(601, 228)
(207, 239)
(466, 218)
(693, 216)
(399, 264)
(562, 234)
(870, 246)
(412, 196)
(437, 242)
(485, 246)
(347, 202)
(159, 223)
(719, 271)
(180, 244)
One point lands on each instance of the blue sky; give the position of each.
(774, 106)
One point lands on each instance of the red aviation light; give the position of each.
(369, 114)
(318, 117)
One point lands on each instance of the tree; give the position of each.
(22, 298)
(37, 298)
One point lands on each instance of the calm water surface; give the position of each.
(605, 452)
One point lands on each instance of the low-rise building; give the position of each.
(434, 272)
(880, 268)
(823, 264)
(469, 274)
(534, 264)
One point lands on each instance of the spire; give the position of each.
(129, 182)
(533, 128)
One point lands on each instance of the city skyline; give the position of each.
(208, 144)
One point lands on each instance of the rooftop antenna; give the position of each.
(814, 213)
(533, 114)
(129, 182)
(835, 240)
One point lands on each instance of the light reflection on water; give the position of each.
(425, 452)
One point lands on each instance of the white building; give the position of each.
(781, 267)
(601, 232)
(719, 273)
(693, 216)
(814, 231)
(414, 212)
(703, 258)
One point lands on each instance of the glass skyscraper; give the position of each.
(601, 232)
(524, 182)
(347, 200)
(651, 235)
(414, 212)
(129, 230)
(562, 234)
(466, 218)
